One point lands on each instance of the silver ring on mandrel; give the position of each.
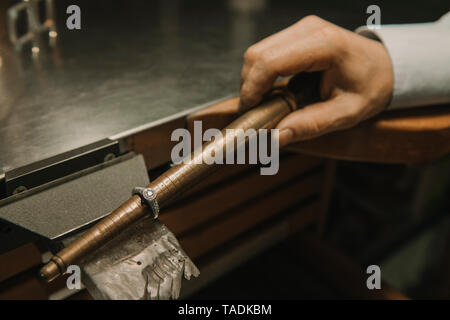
(148, 197)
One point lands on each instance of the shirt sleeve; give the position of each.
(420, 55)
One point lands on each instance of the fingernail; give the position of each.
(285, 137)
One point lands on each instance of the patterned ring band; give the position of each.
(148, 197)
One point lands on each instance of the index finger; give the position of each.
(305, 46)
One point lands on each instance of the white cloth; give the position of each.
(420, 55)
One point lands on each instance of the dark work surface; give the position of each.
(135, 64)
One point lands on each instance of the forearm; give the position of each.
(420, 55)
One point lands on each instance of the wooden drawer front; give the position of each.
(215, 200)
(237, 221)
(223, 210)
(19, 260)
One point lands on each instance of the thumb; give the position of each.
(340, 112)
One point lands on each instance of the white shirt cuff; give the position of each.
(420, 55)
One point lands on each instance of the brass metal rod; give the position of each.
(301, 90)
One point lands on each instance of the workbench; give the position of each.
(136, 71)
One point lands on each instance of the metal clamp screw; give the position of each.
(148, 197)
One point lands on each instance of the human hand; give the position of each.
(357, 76)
